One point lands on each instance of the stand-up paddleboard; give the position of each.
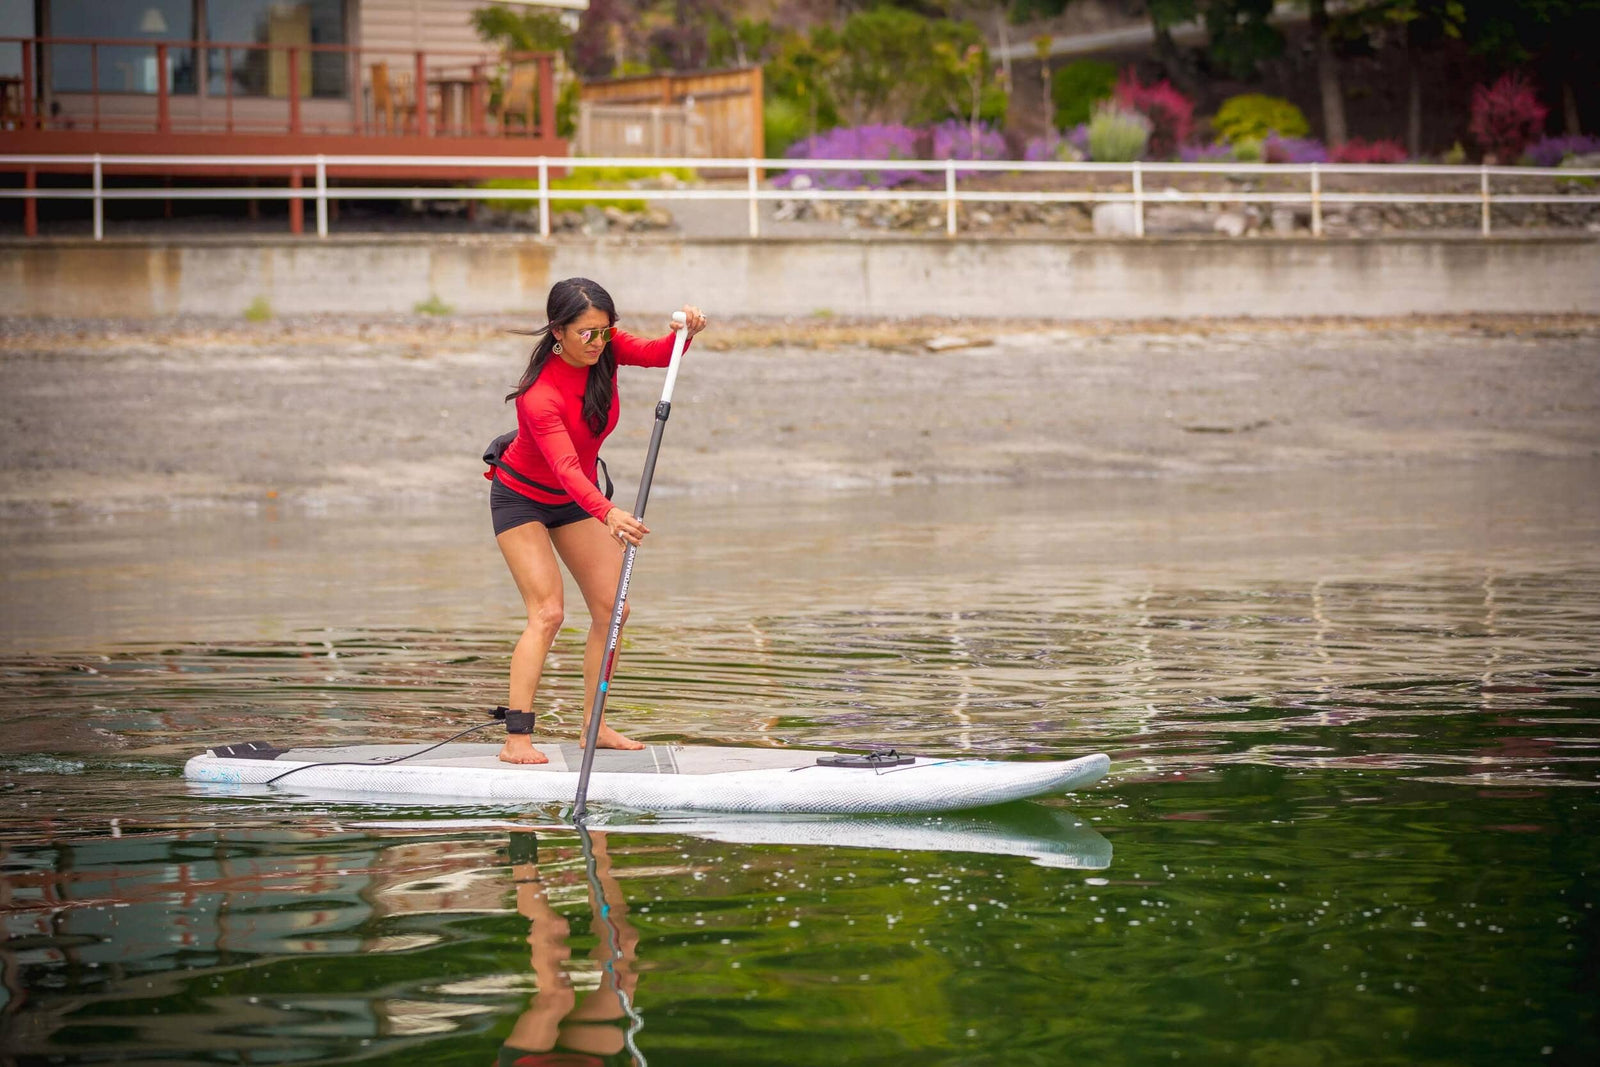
(1050, 837)
(657, 778)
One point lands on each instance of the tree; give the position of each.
(1554, 35)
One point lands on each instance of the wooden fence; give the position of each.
(719, 113)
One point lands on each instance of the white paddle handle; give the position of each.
(680, 337)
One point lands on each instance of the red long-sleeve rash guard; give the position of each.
(554, 445)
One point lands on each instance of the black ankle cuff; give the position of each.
(517, 722)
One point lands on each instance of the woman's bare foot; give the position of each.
(519, 749)
(609, 738)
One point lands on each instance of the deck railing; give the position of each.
(756, 188)
(305, 88)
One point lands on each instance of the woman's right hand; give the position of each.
(624, 527)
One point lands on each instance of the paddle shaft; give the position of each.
(608, 662)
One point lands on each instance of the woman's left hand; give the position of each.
(695, 320)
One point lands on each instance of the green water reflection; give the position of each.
(1251, 914)
(1354, 723)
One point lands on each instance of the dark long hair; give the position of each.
(567, 300)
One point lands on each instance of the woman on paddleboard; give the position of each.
(545, 501)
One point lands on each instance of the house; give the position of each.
(252, 77)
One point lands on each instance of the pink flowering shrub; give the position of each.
(1171, 114)
(1356, 150)
(1506, 116)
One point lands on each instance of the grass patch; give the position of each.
(589, 178)
(432, 306)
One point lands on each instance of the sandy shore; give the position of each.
(335, 413)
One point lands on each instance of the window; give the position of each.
(121, 68)
(265, 71)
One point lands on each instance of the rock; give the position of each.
(1114, 220)
(1231, 223)
(982, 218)
(617, 217)
(946, 342)
(594, 220)
(1283, 221)
(1177, 218)
(656, 218)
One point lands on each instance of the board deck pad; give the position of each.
(656, 778)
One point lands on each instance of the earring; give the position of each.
(557, 348)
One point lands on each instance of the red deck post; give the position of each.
(27, 84)
(421, 93)
(30, 206)
(297, 206)
(163, 110)
(294, 93)
(547, 97)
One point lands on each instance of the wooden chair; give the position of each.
(393, 98)
(519, 99)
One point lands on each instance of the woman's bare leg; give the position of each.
(533, 565)
(594, 558)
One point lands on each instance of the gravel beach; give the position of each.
(340, 413)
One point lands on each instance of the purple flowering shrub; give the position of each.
(1275, 149)
(855, 142)
(1550, 151)
(1205, 153)
(1051, 148)
(953, 139)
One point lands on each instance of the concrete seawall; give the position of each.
(886, 276)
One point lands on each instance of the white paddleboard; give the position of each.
(658, 778)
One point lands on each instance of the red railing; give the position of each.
(443, 93)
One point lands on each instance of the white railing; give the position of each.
(755, 191)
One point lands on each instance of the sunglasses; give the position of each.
(602, 335)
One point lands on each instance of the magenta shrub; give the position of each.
(1506, 116)
(1356, 150)
(1171, 114)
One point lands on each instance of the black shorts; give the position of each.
(510, 509)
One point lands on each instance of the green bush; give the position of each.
(1117, 135)
(1247, 150)
(588, 178)
(1252, 116)
(784, 122)
(1077, 87)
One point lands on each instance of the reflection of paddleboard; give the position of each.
(659, 778)
(1049, 837)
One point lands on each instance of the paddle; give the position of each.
(609, 661)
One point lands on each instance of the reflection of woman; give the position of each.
(557, 1029)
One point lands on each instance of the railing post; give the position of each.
(1483, 188)
(1138, 200)
(163, 108)
(294, 91)
(322, 196)
(752, 184)
(420, 91)
(949, 198)
(30, 206)
(297, 206)
(544, 196)
(547, 97)
(99, 202)
(1316, 201)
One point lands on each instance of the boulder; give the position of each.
(1114, 220)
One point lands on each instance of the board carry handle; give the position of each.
(608, 661)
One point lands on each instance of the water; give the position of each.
(1353, 718)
